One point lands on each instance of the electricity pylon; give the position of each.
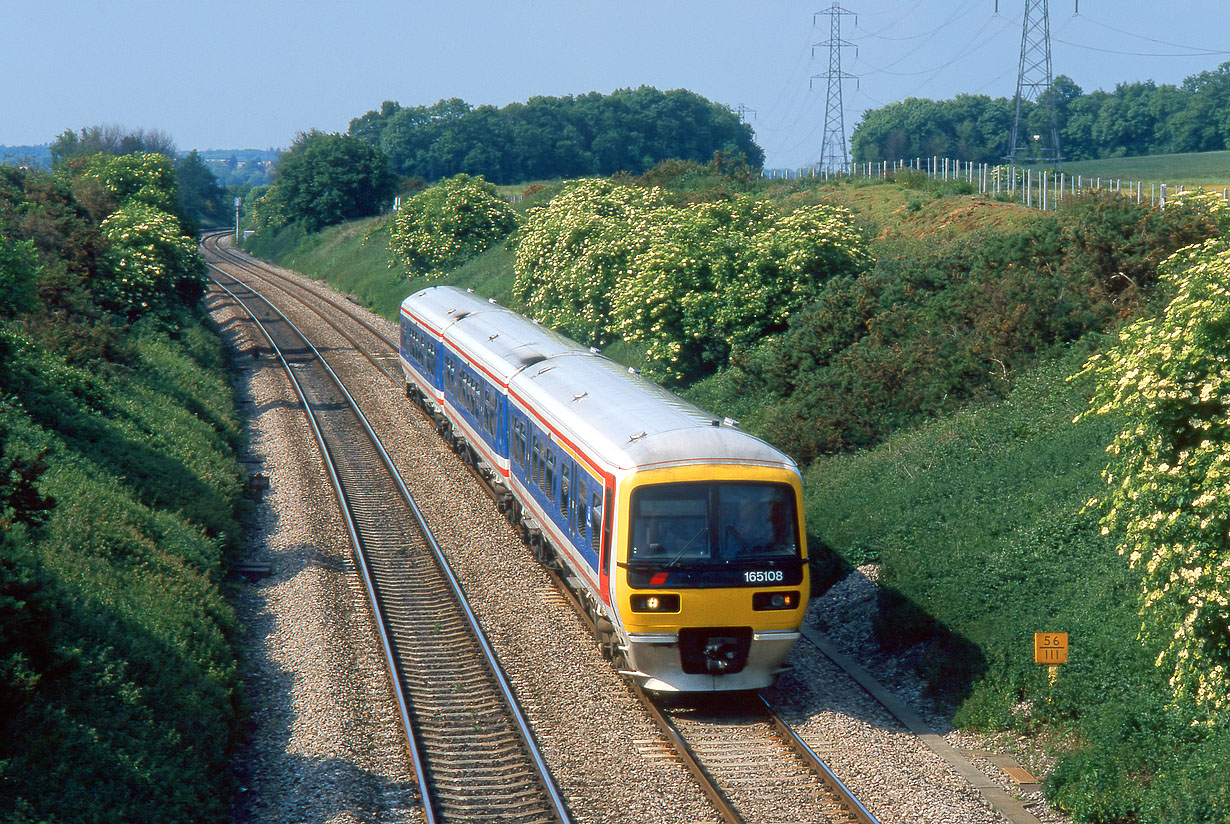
(1033, 81)
(833, 154)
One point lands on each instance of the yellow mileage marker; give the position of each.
(1051, 648)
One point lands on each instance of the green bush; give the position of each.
(687, 284)
(937, 322)
(1170, 469)
(118, 680)
(150, 260)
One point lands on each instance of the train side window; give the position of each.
(550, 477)
(579, 524)
(595, 522)
(518, 450)
(536, 462)
(565, 474)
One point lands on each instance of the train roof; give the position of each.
(618, 417)
(438, 307)
(500, 340)
(630, 422)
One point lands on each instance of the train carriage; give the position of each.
(681, 533)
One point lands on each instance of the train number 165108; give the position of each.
(764, 576)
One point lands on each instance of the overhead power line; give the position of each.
(1193, 51)
(1087, 47)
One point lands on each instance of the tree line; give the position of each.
(201, 199)
(1140, 118)
(325, 179)
(629, 130)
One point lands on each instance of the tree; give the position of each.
(717, 277)
(1168, 378)
(201, 199)
(325, 179)
(18, 274)
(143, 177)
(150, 260)
(368, 127)
(1135, 119)
(448, 224)
(572, 251)
(630, 130)
(690, 284)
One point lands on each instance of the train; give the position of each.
(682, 535)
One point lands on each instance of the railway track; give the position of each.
(748, 762)
(473, 752)
(372, 343)
(754, 765)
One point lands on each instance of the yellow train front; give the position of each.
(682, 534)
(711, 575)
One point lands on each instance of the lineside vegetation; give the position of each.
(119, 494)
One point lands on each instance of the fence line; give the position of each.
(1039, 189)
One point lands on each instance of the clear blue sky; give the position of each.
(226, 74)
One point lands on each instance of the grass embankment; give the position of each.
(978, 522)
(123, 699)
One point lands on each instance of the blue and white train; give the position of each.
(681, 534)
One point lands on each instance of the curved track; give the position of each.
(475, 755)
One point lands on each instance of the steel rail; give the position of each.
(726, 809)
(817, 764)
(267, 274)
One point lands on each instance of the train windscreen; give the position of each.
(691, 524)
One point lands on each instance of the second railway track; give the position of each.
(476, 757)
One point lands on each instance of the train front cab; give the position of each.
(711, 575)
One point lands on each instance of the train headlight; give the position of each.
(775, 600)
(655, 603)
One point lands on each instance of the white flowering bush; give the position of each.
(690, 284)
(715, 277)
(1169, 475)
(572, 252)
(149, 259)
(449, 223)
(143, 177)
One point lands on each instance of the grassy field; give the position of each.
(1208, 169)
